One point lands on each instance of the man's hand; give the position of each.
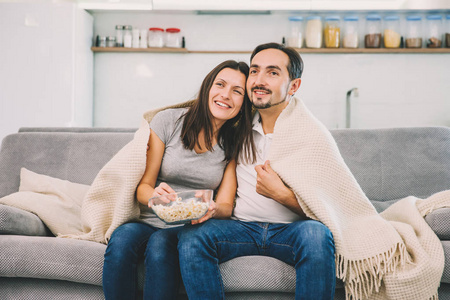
(270, 185)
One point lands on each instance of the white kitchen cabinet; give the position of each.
(115, 4)
(297, 5)
(46, 73)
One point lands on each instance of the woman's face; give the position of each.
(226, 95)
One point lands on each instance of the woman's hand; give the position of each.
(210, 214)
(162, 189)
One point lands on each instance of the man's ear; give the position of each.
(295, 85)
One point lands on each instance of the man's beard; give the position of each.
(265, 105)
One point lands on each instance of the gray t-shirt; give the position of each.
(182, 169)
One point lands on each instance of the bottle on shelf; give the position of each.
(295, 37)
(392, 36)
(332, 32)
(433, 33)
(447, 31)
(351, 32)
(413, 36)
(372, 38)
(313, 36)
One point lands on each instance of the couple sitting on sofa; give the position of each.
(228, 148)
(296, 199)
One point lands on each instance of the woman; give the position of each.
(193, 148)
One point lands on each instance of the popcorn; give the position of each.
(181, 211)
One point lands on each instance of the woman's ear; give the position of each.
(294, 86)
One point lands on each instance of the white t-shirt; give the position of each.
(251, 206)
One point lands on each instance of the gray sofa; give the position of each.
(388, 163)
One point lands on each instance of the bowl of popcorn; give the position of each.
(182, 207)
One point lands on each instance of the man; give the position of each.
(267, 219)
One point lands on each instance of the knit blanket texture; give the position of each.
(393, 255)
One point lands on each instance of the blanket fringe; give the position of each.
(363, 277)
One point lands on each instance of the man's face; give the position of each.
(268, 82)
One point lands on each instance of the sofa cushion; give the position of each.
(51, 258)
(57, 202)
(446, 273)
(439, 221)
(17, 221)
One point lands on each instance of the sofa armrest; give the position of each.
(20, 222)
(439, 221)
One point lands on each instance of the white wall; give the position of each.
(394, 89)
(46, 66)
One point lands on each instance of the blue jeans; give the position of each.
(307, 245)
(131, 242)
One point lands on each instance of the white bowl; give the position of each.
(182, 207)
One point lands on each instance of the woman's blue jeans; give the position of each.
(130, 243)
(307, 245)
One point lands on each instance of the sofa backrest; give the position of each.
(74, 156)
(394, 163)
(388, 163)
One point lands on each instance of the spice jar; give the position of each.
(110, 41)
(156, 37)
(313, 36)
(433, 34)
(119, 35)
(173, 38)
(392, 36)
(101, 41)
(372, 38)
(351, 34)
(127, 36)
(332, 32)
(295, 37)
(413, 36)
(447, 31)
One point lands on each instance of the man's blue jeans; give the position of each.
(131, 242)
(307, 245)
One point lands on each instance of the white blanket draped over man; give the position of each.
(392, 255)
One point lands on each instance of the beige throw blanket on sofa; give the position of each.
(394, 255)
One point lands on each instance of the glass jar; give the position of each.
(332, 32)
(143, 38)
(433, 33)
(119, 35)
(135, 33)
(392, 36)
(351, 32)
(447, 31)
(127, 36)
(313, 36)
(156, 37)
(101, 41)
(372, 38)
(295, 37)
(110, 41)
(173, 38)
(413, 36)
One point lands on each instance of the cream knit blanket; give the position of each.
(394, 255)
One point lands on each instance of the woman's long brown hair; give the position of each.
(235, 135)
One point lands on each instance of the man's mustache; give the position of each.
(261, 88)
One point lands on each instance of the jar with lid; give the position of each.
(101, 41)
(127, 36)
(119, 35)
(413, 36)
(447, 31)
(110, 41)
(372, 38)
(392, 36)
(351, 32)
(156, 37)
(173, 38)
(433, 33)
(313, 36)
(295, 37)
(332, 32)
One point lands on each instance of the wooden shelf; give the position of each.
(301, 50)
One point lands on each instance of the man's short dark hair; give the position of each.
(295, 66)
